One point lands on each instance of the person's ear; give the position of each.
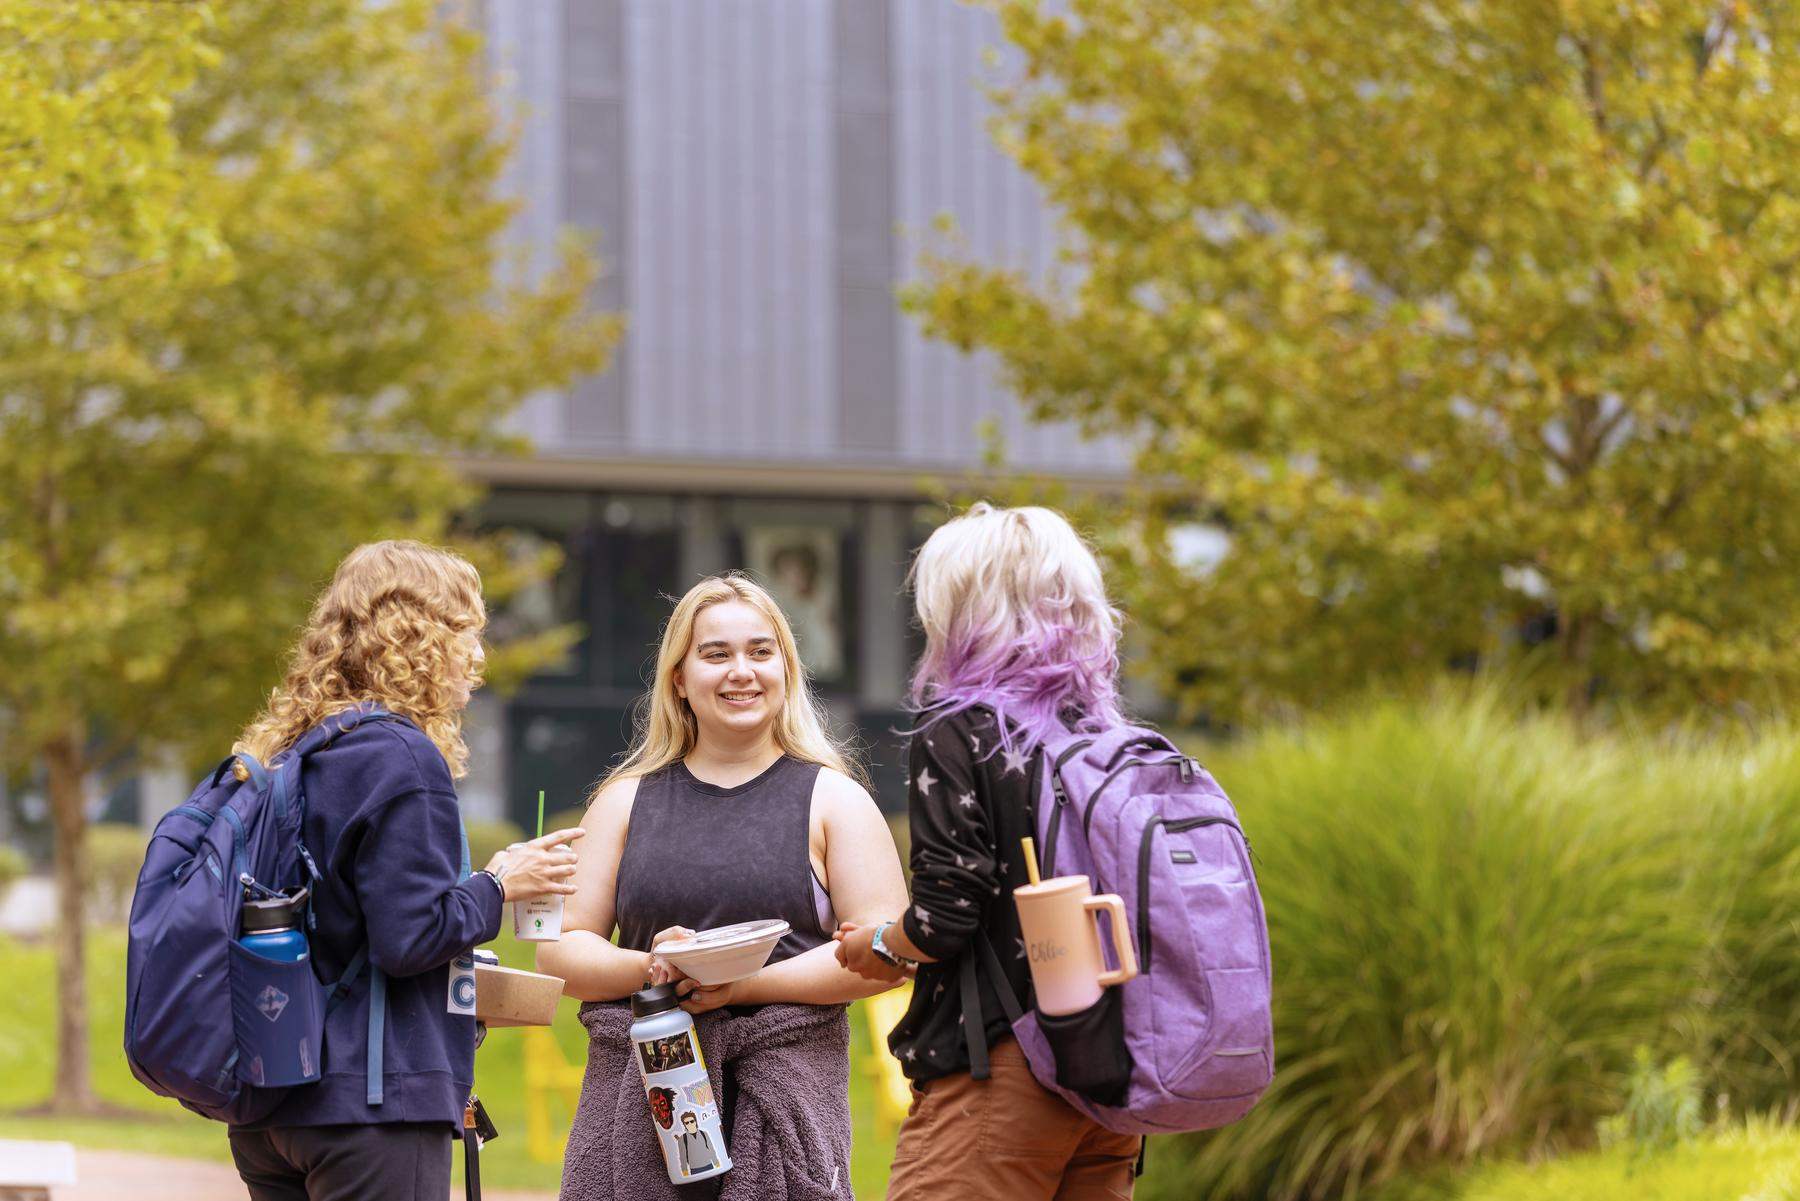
(680, 685)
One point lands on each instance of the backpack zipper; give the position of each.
(196, 812)
(1087, 816)
(237, 837)
(1144, 847)
(1062, 799)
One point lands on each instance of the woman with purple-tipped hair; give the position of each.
(1020, 645)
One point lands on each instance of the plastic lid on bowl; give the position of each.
(721, 938)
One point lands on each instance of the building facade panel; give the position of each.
(525, 64)
(730, 248)
(762, 174)
(946, 164)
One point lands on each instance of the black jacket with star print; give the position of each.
(969, 803)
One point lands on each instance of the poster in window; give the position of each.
(800, 566)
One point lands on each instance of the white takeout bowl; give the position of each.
(725, 953)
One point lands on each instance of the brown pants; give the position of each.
(1006, 1138)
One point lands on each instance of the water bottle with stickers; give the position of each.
(683, 1110)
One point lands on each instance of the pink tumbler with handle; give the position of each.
(1060, 921)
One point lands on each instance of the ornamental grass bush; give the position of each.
(1478, 918)
(1753, 849)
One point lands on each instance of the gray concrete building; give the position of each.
(761, 175)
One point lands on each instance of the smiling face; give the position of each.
(732, 676)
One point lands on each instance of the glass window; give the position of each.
(633, 573)
(563, 750)
(527, 523)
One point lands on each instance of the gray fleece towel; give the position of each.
(790, 1120)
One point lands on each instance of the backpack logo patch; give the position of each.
(271, 1001)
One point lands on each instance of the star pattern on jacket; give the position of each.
(968, 811)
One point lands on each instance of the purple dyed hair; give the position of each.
(1016, 619)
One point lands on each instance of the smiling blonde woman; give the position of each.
(733, 805)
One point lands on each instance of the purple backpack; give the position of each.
(1188, 1043)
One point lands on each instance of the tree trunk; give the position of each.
(65, 759)
(1577, 638)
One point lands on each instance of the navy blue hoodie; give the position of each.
(383, 824)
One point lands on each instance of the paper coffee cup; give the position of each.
(538, 920)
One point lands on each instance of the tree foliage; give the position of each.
(90, 179)
(186, 453)
(1461, 319)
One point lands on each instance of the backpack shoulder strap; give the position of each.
(977, 956)
(339, 724)
(378, 994)
(314, 740)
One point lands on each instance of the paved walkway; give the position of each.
(112, 1175)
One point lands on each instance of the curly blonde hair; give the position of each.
(393, 626)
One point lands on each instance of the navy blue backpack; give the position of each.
(199, 1006)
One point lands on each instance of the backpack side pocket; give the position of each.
(1089, 1049)
(278, 1016)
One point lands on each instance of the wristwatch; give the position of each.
(878, 944)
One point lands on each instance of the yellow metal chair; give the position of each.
(548, 1075)
(893, 1095)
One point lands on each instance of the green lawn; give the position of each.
(27, 1036)
(1756, 1161)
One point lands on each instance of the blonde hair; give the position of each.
(391, 628)
(666, 727)
(1015, 614)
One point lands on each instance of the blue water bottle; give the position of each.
(271, 928)
(277, 1005)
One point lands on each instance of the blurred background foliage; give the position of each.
(259, 304)
(1479, 919)
(1444, 333)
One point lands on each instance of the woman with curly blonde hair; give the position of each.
(397, 632)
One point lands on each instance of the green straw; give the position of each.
(540, 832)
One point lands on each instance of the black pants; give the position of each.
(401, 1161)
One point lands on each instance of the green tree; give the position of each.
(1455, 317)
(184, 456)
(90, 180)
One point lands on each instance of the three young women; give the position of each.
(1020, 644)
(400, 625)
(734, 804)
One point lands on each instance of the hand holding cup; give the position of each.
(542, 867)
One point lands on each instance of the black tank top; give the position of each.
(698, 855)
